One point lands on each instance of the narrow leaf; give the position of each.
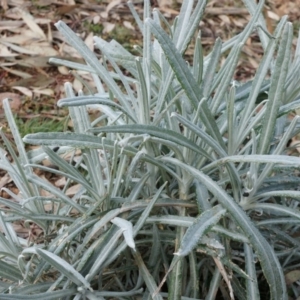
(87, 100)
(149, 280)
(276, 92)
(53, 295)
(184, 76)
(251, 283)
(159, 132)
(266, 255)
(126, 227)
(201, 226)
(64, 267)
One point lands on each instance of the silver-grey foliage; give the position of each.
(185, 188)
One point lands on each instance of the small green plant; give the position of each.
(122, 35)
(39, 124)
(95, 28)
(183, 185)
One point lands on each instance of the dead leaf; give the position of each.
(42, 49)
(295, 144)
(61, 182)
(226, 11)
(225, 19)
(104, 15)
(27, 92)
(65, 9)
(253, 62)
(50, 206)
(19, 49)
(5, 179)
(10, 25)
(18, 73)
(34, 62)
(15, 102)
(29, 20)
(77, 85)
(128, 25)
(273, 15)
(42, 21)
(21, 231)
(96, 19)
(66, 50)
(169, 11)
(283, 9)
(165, 3)
(4, 4)
(47, 92)
(63, 70)
(24, 37)
(40, 81)
(5, 52)
(50, 36)
(43, 192)
(112, 4)
(292, 277)
(73, 190)
(89, 41)
(108, 27)
(13, 13)
(238, 22)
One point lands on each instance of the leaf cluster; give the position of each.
(185, 189)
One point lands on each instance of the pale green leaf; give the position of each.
(201, 226)
(64, 267)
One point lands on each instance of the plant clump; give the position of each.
(181, 188)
